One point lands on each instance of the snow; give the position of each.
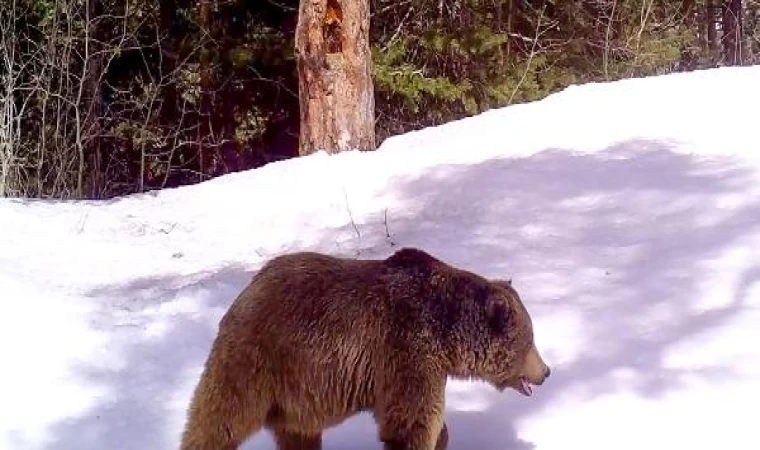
(626, 213)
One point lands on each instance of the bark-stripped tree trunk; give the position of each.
(336, 93)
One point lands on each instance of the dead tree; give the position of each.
(336, 93)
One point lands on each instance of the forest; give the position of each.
(101, 98)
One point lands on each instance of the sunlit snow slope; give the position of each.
(627, 214)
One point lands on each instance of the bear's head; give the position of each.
(483, 324)
(510, 356)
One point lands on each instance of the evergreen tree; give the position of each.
(107, 97)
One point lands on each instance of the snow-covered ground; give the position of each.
(627, 214)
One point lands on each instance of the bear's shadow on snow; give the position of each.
(629, 232)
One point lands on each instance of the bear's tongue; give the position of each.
(526, 388)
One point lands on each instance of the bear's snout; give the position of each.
(535, 370)
(546, 374)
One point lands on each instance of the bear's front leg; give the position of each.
(443, 438)
(418, 437)
(410, 411)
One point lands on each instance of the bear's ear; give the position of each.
(497, 315)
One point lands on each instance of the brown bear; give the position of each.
(315, 339)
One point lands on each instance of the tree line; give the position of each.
(100, 98)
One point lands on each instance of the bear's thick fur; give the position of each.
(315, 339)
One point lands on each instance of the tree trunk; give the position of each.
(712, 30)
(204, 127)
(732, 32)
(167, 16)
(230, 153)
(336, 93)
(750, 30)
(94, 101)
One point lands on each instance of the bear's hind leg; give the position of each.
(287, 440)
(220, 426)
(225, 408)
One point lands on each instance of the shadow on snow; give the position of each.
(626, 236)
(159, 338)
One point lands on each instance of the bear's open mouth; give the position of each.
(524, 387)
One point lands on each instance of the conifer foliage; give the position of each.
(106, 97)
